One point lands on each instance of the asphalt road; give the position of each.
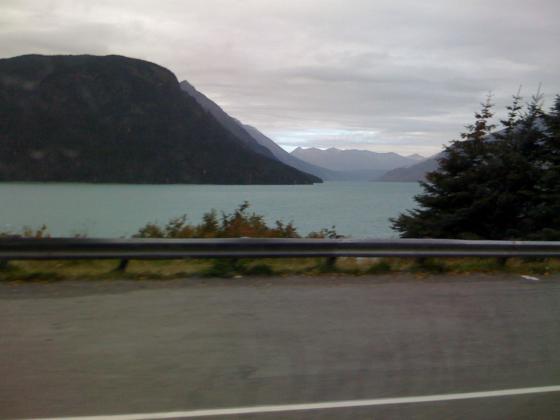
(121, 347)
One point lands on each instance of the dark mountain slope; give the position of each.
(288, 159)
(252, 137)
(412, 173)
(116, 119)
(260, 143)
(229, 123)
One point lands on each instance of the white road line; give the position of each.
(316, 406)
(531, 278)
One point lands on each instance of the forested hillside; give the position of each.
(117, 119)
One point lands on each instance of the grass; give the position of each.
(170, 269)
(242, 222)
(430, 265)
(380, 267)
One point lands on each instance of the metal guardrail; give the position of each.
(128, 249)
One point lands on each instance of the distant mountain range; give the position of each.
(293, 161)
(416, 157)
(116, 119)
(266, 146)
(354, 164)
(330, 165)
(412, 173)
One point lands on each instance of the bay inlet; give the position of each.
(356, 209)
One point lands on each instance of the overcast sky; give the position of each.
(384, 75)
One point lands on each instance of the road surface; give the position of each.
(73, 349)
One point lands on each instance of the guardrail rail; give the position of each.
(12, 248)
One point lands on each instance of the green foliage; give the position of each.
(223, 267)
(327, 265)
(259, 270)
(430, 265)
(231, 267)
(503, 185)
(379, 267)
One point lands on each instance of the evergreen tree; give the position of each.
(546, 207)
(503, 185)
(513, 117)
(456, 199)
(515, 171)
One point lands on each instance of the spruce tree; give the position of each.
(513, 116)
(456, 198)
(515, 172)
(503, 185)
(545, 210)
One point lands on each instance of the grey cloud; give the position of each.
(381, 74)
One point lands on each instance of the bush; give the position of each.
(28, 232)
(222, 267)
(240, 223)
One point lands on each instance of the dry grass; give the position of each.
(168, 269)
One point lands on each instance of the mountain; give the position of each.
(416, 157)
(323, 173)
(417, 172)
(116, 119)
(291, 160)
(262, 144)
(412, 173)
(229, 123)
(355, 164)
(253, 137)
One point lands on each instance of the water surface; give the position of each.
(357, 209)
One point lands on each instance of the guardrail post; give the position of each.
(330, 263)
(122, 265)
(502, 261)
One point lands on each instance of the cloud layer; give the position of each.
(394, 75)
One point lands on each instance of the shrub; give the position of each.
(240, 223)
(28, 232)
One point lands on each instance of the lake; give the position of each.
(357, 209)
